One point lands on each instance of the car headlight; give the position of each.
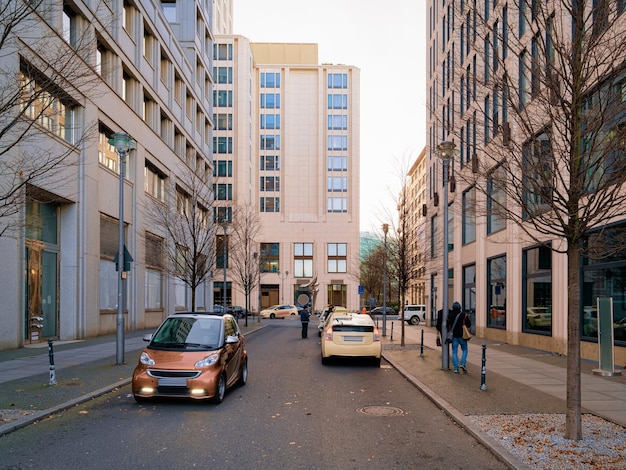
(208, 361)
(146, 359)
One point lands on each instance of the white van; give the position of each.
(414, 314)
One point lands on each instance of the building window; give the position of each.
(223, 51)
(337, 101)
(169, 10)
(469, 293)
(70, 27)
(337, 80)
(222, 214)
(337, 184)
(537, 181)
(336, 163)
(496, 200)
(223, 122)
(469, 216)
(270, 142)
(337, 257)
(154, 272)
(270, 204)
(223, 145)
(223, 192)
(337, 204)
(223, 98)
(107, 281)
(270, 79)
(270, 121)
(270, 163)
(223, 74)
(270, 100)
(221, 251)
(223, 168)
(496, 294)
(537, 290)
(303, 259)
(270, 183)
(149, 43)
(270, 262)
(337, 142)
(337, 122)
(154, 182)
(49, 107)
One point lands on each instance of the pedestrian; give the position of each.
(304, 318)
(455, 321)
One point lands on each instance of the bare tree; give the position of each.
(39, 94)
(542, 86)
(190, 233)
(244, 250)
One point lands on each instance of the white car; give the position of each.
(414, 314)
(279, 311)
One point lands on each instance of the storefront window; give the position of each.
(496, 275)
(537, 268)
(469, 293)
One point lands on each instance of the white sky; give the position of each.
(386, 40)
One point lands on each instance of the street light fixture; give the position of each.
(123, 144)
(282, 284)
(445, 151)
(385, 230)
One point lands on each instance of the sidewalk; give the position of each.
(517, 380)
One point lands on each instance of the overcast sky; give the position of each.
(387, 41)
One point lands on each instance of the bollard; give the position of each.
(483, 371)
(422, 345)
(53, 375)
(391, 331)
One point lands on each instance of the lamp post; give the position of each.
(123, 144)
(282, 284)
(258, 273)
(445, 151)
(385, 230)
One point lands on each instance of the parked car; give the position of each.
(192, 355)
(414, 314)
(239, 312)
(539, 317)
(279, 311)
(220, 309)
(350, 335)
(379, 311)
(324, 315)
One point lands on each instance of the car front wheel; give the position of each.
(272, 316)
(415, 320)
(221, 390)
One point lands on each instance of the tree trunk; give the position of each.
(573, 425)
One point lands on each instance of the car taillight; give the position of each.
(376, 335)
(329, 334)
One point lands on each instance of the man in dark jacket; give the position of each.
(456, 319)
(304, 318)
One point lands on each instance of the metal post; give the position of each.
(483, 370)
(422, 345)
(53, 375)
(445, 151)
(224, 263)
(119, 322)
(385, 230)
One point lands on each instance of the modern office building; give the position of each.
(287, 144)
(515, 286)
(89, 69)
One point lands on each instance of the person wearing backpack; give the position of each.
(455, 321)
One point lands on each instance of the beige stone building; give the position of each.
(515, 288)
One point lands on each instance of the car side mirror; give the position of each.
(232, 339)
(148, 337)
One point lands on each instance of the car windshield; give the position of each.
(188, 333)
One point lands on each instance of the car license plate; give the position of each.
(357, 339)
(172, 382)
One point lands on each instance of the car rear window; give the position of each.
(354, 328)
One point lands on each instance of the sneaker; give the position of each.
(456, 371)
(464, 368)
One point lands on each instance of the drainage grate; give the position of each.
(380, 411)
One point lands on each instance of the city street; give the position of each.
(293, 413)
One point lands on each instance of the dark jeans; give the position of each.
(305, 329)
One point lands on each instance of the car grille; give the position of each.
(179, 374)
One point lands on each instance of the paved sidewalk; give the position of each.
(517, 380)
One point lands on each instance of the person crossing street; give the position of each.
(304, 318)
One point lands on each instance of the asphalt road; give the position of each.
(293, 413)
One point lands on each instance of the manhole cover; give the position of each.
(380, 411)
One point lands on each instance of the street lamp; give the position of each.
(282, 284)
(445, 151)
(258, 273)
(385, 230)
(123, 144)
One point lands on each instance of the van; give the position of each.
(414, 314)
